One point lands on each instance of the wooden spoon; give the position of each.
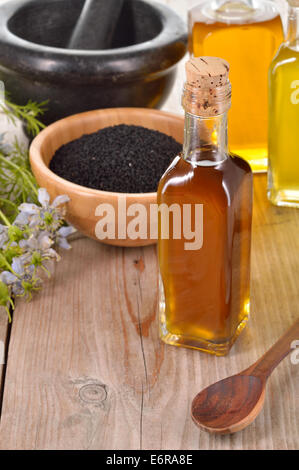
(233, 403)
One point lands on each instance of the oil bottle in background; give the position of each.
(283, 175)
(247, 34)
(205, 211)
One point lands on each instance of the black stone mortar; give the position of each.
(138, 70)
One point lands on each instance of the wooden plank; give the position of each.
(86, 369)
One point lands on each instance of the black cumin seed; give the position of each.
(123, 158)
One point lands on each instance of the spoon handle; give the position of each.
(264, 366)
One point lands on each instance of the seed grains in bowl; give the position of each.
(122, 158)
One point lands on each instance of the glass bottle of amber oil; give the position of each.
(283, 174)
(205, 211)
(246, 33)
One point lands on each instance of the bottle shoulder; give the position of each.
(236, 12)
(185, 175)
(231, 160)
(286, 56)
(240, 163)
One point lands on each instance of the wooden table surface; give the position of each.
(86, 370)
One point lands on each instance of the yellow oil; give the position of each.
(248, 41)
(283, 187)
(204, 294)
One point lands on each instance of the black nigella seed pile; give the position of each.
(123, 158)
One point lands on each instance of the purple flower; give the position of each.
(48, 215)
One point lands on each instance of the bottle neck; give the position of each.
(293, 24)
(234, 9)
(234, 3)
(238, 11)
(205, 140)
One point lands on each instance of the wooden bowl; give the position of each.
(82, 208)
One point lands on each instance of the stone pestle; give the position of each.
(96, 25)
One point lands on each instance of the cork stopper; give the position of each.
(207, 90)
(207, 72)
(293, 3)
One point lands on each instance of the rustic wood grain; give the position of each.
(86, 369)
(245, 391)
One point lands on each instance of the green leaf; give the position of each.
(15, 234)
(12, 252)
(5, 299)
(27, 113)
(4, 294)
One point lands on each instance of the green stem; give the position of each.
(5, 219)
(8, 266)
(23, 173)
(27, 113)
(10, 203)
(46, 270)
(8, 313)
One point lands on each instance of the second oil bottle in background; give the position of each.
(246, 33)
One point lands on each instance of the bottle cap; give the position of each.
(207, 91)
